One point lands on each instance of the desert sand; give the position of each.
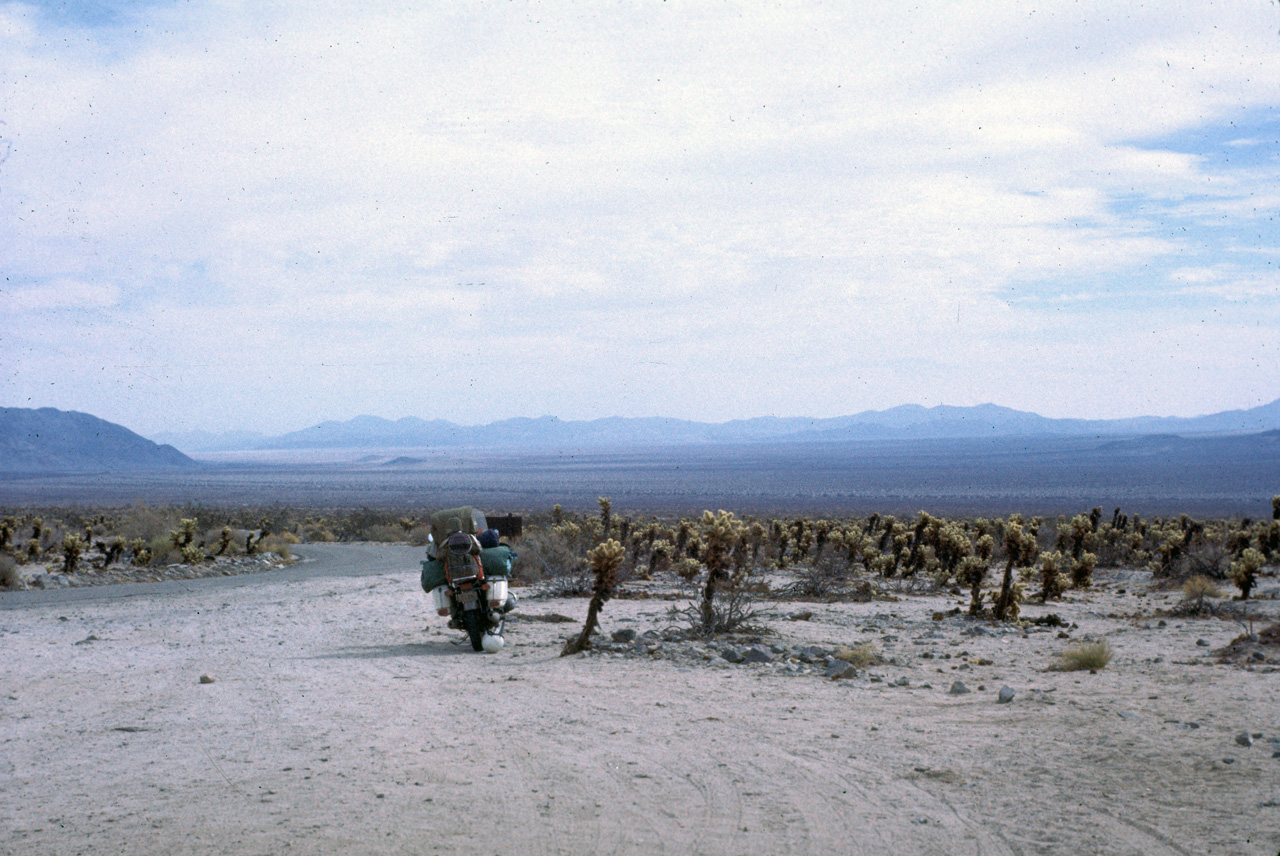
(338, 715)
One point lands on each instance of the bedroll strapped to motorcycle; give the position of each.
(496, 562)
(465, 519)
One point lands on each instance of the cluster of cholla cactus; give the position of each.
(836, 557)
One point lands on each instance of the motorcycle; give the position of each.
(468, 582)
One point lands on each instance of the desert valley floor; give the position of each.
(336, 715)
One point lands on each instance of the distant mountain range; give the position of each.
(907, 422)
(58, 441)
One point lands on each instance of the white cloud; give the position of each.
(60, 294)
(797, 191)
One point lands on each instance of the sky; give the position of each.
(222, 215)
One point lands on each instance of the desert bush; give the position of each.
(547, 556)
(1085, 655)
(860, 656)
(1197, 588)
(280, 544)
(390, 533)
(9, 576)
(162, 551)
(826, 577)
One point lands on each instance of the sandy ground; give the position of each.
(344, 718)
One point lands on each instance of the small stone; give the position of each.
(756, 654)
(903, 681)
(626, 634)
(733, 655)
(1006, 695)
(206, 679)
(840, 670)
(1228, 760)
(1202, 643)
(1245, 739)
(958, 688)
(813, 654)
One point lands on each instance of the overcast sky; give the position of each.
(226, 215)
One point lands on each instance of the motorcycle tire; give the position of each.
(473, 620)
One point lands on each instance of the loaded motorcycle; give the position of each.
(468, 575)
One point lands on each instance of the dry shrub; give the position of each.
(1086, 655)
(1199, 587)
(547, 556)
(386, 532)
(280, 544)
(859, 656)
(9, 576)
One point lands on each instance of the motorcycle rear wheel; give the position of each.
(473, 620)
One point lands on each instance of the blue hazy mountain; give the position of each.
(906, 422)
(57, 441)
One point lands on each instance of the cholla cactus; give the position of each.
(1020, 549)
(604, 560)
(973, 571)
(1082, 570)
(687, 569)
(185, 533)
(72, 549)
(1052, 581)
(721, 532)
(606, 513)
(1244, 571)
(756, 535)
(224, 540)
(660, 553)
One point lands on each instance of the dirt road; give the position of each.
(342, 718)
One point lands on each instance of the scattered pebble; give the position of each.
(206, 679)
(958, 688)
(1006, 695)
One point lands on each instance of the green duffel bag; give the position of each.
(432, 574)
(496, 561)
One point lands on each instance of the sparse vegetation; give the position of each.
(1089, 656)
(9, 577)
(727, 558)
